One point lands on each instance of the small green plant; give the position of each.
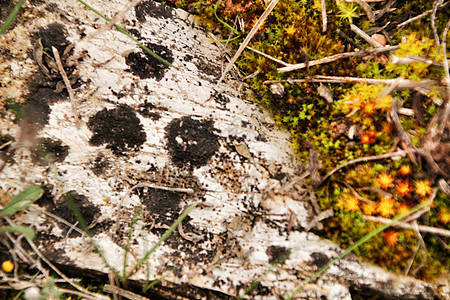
(18, 203)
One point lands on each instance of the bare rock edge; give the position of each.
(181, 140)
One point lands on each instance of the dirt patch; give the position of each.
(191, 142)
(119, 128)
(48, 151)
(100, 164)
(160, 206)
(152, 9)
(145, 66)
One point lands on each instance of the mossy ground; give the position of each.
(383, 188)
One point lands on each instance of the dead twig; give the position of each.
(365, 36)
(335, 57)
(269, 57)
(248, 39)
(68, 85)
(112, 289)
(367, 9)
(403, 225)
(324, 15)
(424, 14)
(366, 159)
(385, 9)
(402, 84)
(436, 4)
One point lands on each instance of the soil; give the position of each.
(191, 142)
(119, 128)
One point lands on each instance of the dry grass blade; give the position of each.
(324, 15)
(368, 10)
(269, 57)
(68, 85)
(249, 37)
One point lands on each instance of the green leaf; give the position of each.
(22, 200)
(27, 231)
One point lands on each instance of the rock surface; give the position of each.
(153, 140)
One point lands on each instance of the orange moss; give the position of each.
(385, 180)
(391, 237)
(386, 207)
(369, 209)
(405, 170)
(403, 188)
(423, 187)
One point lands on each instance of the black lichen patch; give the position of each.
(65, 210)
(119, 128)
(191, 142)
(36, 110)
(222, 100)
(207, 68)
(152, 9)
(147, 110)
(159, 205)
(100, 164)
(319, 259)
(53, 35)
(48, 151)
(277, 254)
(145, 66)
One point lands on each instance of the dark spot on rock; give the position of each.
(53, 35)
(188, 57)
(160, 201)
(100, 164)
(207, 68)
(51, 7)
(36, 109)
(277, 254)
(119, 128)
(48, 151)
(191, 141)
(64, 209)
(145, 66)
(146, 111)
(319, 259)
(152, 9)
(222, 100)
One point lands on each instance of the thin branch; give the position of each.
(433, 23)
(324, 15)
(269, 57)
(366, 159)
(385, 9)
(68, 85)
(424, 14)
(365, 36)
(335, 57)
(403, 225)
(248, 39)
(368, 10)
(112, 289)
(402, 84)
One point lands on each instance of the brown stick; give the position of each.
(68, 85)
(335, 57)
(422, 228)
(248, 39)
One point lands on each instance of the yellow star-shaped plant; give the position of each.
(386, 206)
(423, 187)
(290, 30)
(385, 180)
